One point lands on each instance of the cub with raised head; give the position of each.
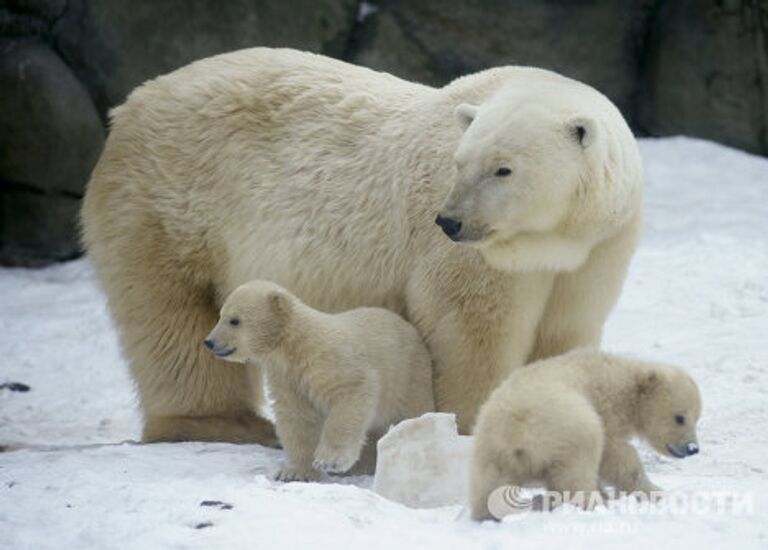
(335, 378)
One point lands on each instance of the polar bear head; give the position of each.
(252, 321)
(541, 176)
(668, 409)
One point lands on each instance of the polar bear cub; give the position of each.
(566, 421)
(334, 378)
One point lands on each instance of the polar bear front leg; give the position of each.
(344, 431)
(581, 300)
(298, 427)
(621, 467)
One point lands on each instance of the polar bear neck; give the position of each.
(537, 252)
(612, 388)
(305, 334)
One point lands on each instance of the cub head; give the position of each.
(669, 406)
(540, 178)
(252, 321)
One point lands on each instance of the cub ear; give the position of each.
(647, 383)
(583, 130)
(279, 303)
(465, 114)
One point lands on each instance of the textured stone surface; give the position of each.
(20, 18)
(50, 138)
(597, 41)
(50, 134)
(706, 73)
(37, 229)
(47, 10)
(382, 44)
(115, 45)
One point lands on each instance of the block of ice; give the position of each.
(424, 463)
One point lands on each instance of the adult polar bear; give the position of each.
(326, 178)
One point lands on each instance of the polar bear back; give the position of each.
(394, 349)
(250, 135)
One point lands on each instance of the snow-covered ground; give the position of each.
(697, 295)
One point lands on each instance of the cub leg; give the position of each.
(486, 477)
(344, 431)
(621, 467)
(575, 475)
(576, 481)
(298, 427)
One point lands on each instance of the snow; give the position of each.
(696, 295)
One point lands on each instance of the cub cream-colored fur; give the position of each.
(327, 178)
(567, 421)
(334, 377)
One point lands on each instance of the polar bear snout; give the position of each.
(219, 350)
(450, 227)
(462, 230)
(682, 450)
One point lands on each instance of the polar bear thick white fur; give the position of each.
(334, 378)
(566, 421)
(327, 178)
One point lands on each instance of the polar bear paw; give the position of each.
(292, 473)
(649, 491)
(335, 461)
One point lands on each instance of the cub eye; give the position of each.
(234, 321)
(680, 419)
(503, 172)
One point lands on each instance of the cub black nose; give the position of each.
(450, 227)
(208, 343)
(692, 449)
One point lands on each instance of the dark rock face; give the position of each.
(28, 17)
(706, 72)
(50, 138)
(116, 45)
(48, 10)
(382, 43)
(36, 228)
(597, 41)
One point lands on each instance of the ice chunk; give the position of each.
(424, 463)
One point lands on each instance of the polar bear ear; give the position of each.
(583, 129)
(465, 114)
(279, 303)
(647, 383)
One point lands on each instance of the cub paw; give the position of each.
(291, 473)
(649, 491)
(335, 462)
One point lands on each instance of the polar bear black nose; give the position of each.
(691, 449)
(208, 343)
(450, 227)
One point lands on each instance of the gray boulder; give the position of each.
(50, 139)
(706, 72)
(36, 228)
(596, 41)
(115, 45)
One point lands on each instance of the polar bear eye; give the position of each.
(503, 172)
(680, 419)
(234, 321)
